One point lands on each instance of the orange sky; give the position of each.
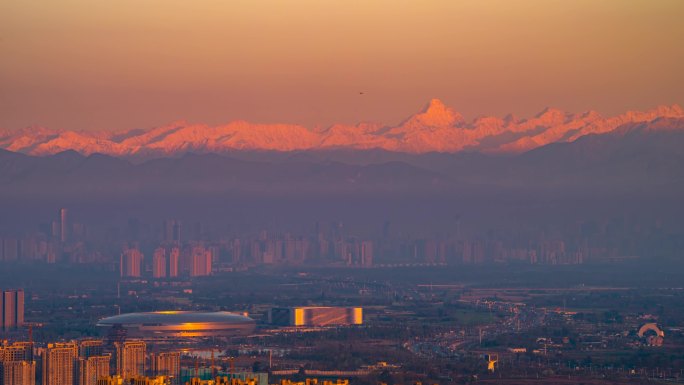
(80, 64)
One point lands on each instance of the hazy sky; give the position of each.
(83, 64)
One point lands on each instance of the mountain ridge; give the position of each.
(436, 128)
(639, 159)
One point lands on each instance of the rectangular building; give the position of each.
(131, 263)
(159, 263)
(167, 364)
(18, 372)
(18, 351)
(90, 347)
(201, 260)
(316, 316)
(12, 309)
(58, 364)
(130, 359)
(174, 257)
(92, 368)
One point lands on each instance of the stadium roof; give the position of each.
(175, 318)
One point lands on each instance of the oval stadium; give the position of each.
(180, 324)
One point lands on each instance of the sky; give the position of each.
(83, 64)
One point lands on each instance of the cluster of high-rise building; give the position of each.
(256, 380)
(170, 249)
(165, 262)
(481, 251)
(223, 381)
(173, 258)
(140, 380)
(368, 253)
(17, 366)
(58, 239)
(313, 381)
(35, 247)
(84, 362)
(296, 250)
(169, 261)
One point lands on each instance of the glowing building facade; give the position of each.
(316, 316)
(58, 364)
(17, 372)
(11, 309)
(130, 358)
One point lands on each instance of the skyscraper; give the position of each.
(17, 372)
(174, 256)
(12, 309)
(159, 263)
(92, 368)
(130, 358)
(200, 262)
(18, 351)
(172, 231)
(9, 249)
(58, 364)
(167, 364)
(131, 263)
(367, 253)
(63, 225)
(90, 348)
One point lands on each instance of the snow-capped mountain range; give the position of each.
(437, 128)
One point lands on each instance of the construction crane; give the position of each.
(492, 360)
(29, 326)
(204, 360)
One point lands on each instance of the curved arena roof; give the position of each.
(181, 324)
